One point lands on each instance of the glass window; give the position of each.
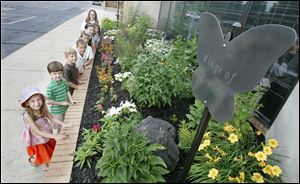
(283, 74)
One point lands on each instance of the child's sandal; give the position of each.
(31, 161)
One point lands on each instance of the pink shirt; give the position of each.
(32, 139)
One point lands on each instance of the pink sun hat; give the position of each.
(28, 92)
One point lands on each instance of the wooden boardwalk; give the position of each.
(61, 164)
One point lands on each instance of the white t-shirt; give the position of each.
(84, 23)
(88, 54)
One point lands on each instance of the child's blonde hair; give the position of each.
(69, 50)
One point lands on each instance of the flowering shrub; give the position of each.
(230, 152)
(96, 127)
(128, 156)
(115, 111)
(224, 157)
(122, 76)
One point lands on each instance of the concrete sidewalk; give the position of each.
(28, 66)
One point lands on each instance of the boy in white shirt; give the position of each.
(82, 56)
(85, 37)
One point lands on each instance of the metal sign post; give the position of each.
(197, 140)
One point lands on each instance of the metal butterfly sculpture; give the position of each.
(236, 66)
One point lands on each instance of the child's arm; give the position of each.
(57, 121)
(71, 84)
(71, 99)
(52, 102)
(88, 61)
(35, 129)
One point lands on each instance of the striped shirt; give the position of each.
(58, 92)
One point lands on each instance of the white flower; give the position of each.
(115, 111)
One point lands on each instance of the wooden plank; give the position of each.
(64, 152)
(61, 158)
(60, 165)
(57, 179)
(63, 171)
(67, 141)
(62, 147)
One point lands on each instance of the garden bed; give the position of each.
(178, 110)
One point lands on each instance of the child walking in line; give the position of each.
(58, 93)
(91, 18)
(82, 56)
(96, 37)
(37, 135)
(71, 73)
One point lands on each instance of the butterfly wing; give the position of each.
(207, 85)
(253, 52)
(214, 94)
(237, 66)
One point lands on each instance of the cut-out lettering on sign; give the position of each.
(236, 66)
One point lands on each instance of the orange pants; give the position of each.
(42, 152)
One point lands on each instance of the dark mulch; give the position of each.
(179, 107)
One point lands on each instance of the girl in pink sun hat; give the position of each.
(37, 134)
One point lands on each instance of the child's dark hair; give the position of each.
(80, 41)
(84, 34)
(89, 25)
(55, 66)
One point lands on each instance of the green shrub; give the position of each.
(92, 144)
(128, 157)
(149, 84)
(108, 24)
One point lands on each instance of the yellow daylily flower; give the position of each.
(260, 156)
(258, 132)
(233, 138)
(273, 143)
(268, 170)
(213, 173)
(206, 142)
(206, 135)
(201, 147)
(231, 178)
(250, 154)
(242, 177)
(229, 128)
(208, 156)
(257, 178)
(276, 171)
(217, 159)
(262, 164)
(267, 150)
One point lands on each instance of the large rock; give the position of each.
(162, 132)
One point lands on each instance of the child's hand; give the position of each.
(73, 102)
(67, 124)
(79, 87)
(60, 136)
(65, 103)
(82, 82)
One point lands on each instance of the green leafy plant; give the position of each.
(92, 144)
(128, 157)
(150, 81)
(173, 118)
(108, 24)
(138, 31)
